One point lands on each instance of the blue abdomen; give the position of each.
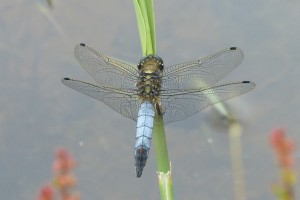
(143, 137)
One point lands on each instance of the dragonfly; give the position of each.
(141, 92)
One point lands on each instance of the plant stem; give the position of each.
(146, 24)
(161, 151)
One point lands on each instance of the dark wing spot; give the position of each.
(67, 79)
(232, 48)
(246, 82)
(82, 44)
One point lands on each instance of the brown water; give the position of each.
(38, 113)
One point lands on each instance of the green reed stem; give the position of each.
(146, 24)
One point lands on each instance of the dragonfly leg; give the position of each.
(159, 108)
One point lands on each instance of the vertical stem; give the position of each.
(235, 131)
(146, 24)
(161, 151)
(163, 163)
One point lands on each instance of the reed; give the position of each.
(146, 24)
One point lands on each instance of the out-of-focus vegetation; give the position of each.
(50, 3)
(284, 149)
(64, 181)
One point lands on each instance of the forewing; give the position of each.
(199, 73)
(122, 101)
(106, 71)
(180, 104)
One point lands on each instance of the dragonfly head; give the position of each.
(151, 64)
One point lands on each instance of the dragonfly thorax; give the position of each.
(150, 74)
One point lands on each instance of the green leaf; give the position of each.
(146, 24)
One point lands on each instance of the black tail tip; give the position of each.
(139, 173)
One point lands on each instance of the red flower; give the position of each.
(46, 193)
(283, 147)
(63, 162)
(63, 180)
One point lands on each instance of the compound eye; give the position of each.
(139, 66)
(161, 66)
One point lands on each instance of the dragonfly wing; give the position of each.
(123, 101)
(180, 104)
(105, 70)
(206, 71)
